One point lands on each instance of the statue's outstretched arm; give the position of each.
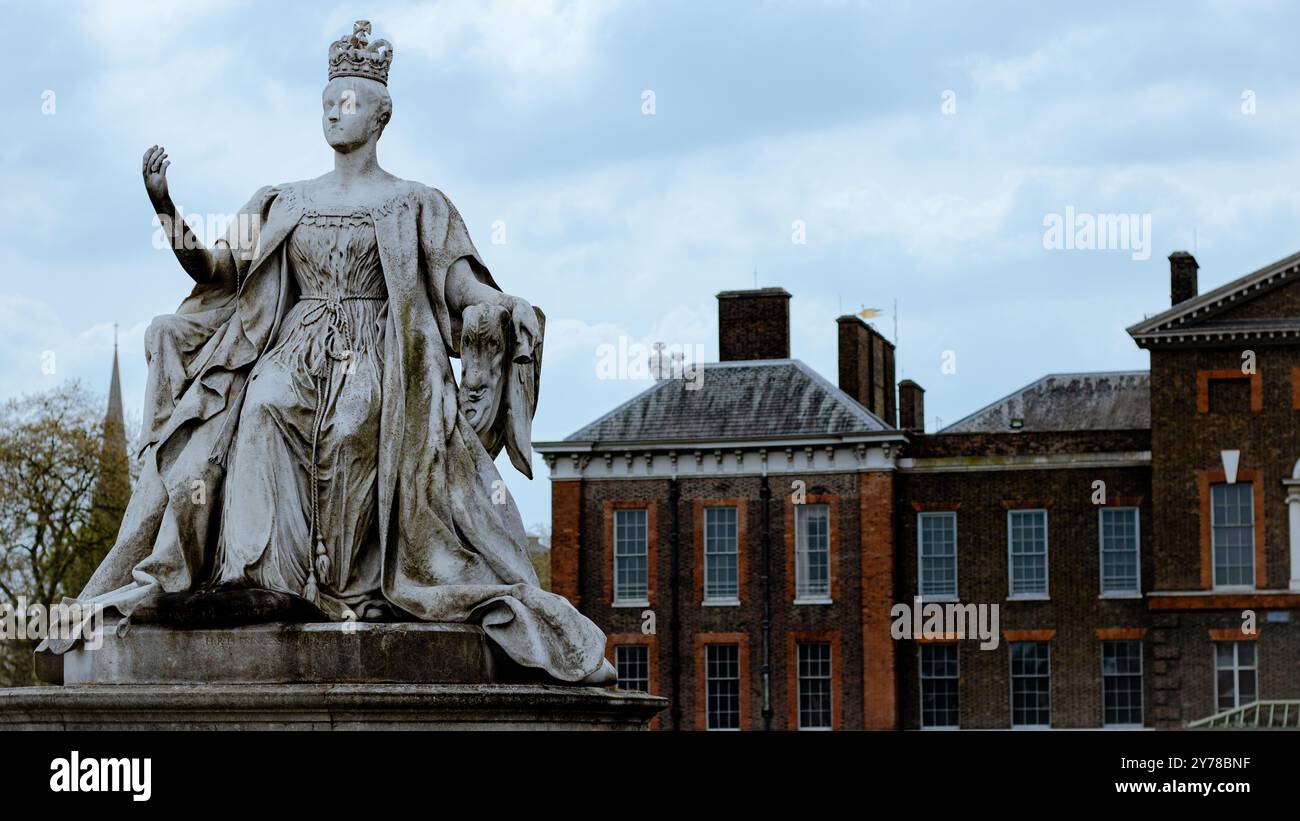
(204, 267)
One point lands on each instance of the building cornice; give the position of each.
(1274, 332)
(698, 460)
(1054, 461)
(748, 442)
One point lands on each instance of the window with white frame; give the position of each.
(939, 691)
(722, 686)
(937, 554)
(630, 556)
(1236, 674)
(721, 554)
(1027, 552)
(1232, 528)
(1120, 567)
(1031, 684)
(1121, 683)
(815, 690)
(632, 661)
(812, 551)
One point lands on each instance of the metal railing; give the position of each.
(1258, 715)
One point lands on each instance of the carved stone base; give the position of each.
(325, 707)
(291, 653)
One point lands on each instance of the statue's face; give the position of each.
(351, 109)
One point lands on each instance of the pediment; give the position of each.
(1261, 306)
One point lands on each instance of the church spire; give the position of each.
(113, 483)
(115, 420)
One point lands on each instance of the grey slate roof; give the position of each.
(1119, 400)
(756, 399)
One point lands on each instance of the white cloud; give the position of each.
(522, 43)
(136, 30)
(1072, 55)
(39, 351)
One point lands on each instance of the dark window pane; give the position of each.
(1031, 703)
(722, 686)
(721, 571)
(633, 664)
(630, 555)
(939, 691)
(815, 691)
(1122, 682)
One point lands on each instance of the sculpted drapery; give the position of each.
(447, 544)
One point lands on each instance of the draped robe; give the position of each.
(452, 544)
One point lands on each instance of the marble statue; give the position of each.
(303, 429)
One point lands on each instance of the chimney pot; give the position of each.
(867, 367)
(754, 324)
(911, 406)
(1182, 277)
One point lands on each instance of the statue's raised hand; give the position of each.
(193, 256)
(155, 174)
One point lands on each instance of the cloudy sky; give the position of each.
(919, 148)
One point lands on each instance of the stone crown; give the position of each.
(355, 56)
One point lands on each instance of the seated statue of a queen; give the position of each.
(303, 429)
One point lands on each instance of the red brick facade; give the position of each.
(1223, 407)
(1068, 619)
(566, 540)
(876, 546)
(857, 599)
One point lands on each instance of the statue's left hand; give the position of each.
(527, 331)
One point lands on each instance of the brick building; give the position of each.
(744, 534)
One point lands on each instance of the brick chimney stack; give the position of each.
(867, 367)
(1182, 277)
(754, 324)
(911, 406)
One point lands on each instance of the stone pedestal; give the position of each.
(317, 653)
(325, 707)
(318, 676)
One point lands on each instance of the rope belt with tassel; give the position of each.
(331, 309)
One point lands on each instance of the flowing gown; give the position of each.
(299, 511)
(318, 425)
